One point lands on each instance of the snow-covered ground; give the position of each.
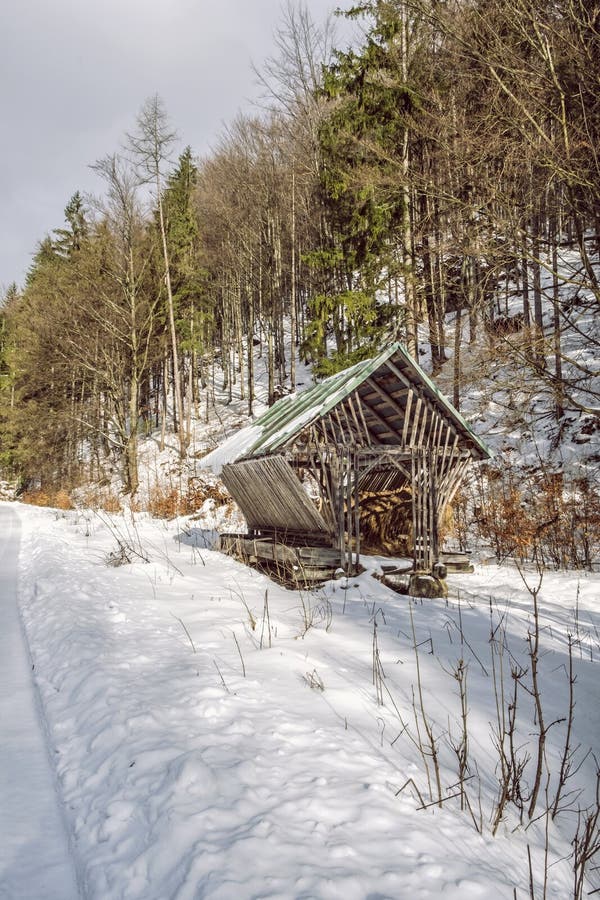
(34, 856)
(218, 736)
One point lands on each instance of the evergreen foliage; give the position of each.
(443, 162)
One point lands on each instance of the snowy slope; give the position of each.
(511, 406)
(217, 736)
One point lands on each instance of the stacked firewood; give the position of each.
(386, 521)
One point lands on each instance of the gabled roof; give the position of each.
(396, 373)
(290, 415)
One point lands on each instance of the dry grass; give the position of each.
(95, 497)
(56, 499)
(169, 502)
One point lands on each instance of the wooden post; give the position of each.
(424, 508)
(349, 519)
(431, 527)
(435, 515)
(357, 506)
(415, 517)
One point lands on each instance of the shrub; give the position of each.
(96, 497)
(168, 502)
(538, 513)
(57, 499)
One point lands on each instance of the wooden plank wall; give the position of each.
(270, 496)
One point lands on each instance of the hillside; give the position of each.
(550, 460)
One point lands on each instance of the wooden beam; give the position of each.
(356, 509)
(355, 432)
(345, 437)
(432, 429)
(386, 397)
(382, 421)
(409, 401)
(356, 396)
(413, 433)
(363, 432)
(329, 427)
(450, 457)
(414, 508)
(409, 384)
(426, 411)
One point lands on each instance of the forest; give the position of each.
(436, 183)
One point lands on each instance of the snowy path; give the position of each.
(211, 746)
(34, 853)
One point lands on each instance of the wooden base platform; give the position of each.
(302, 565)
(457, 562)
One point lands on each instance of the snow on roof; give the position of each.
(231, 449)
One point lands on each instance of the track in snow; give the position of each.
(34, 851)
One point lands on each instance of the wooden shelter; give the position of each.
(367, 459)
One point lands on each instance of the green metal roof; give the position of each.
(288, 416)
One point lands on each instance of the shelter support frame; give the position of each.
(433, 475)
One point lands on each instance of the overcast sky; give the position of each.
(74, 74)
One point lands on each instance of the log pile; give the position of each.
(386, 521)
